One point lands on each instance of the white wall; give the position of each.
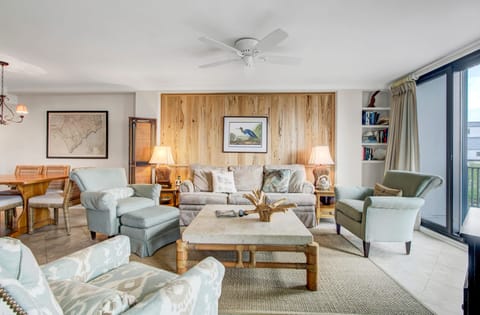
(25, 143)
(348, 137)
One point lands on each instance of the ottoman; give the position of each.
(150, 228)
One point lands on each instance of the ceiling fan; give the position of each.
(250, 50)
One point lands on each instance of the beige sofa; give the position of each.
(203, 188)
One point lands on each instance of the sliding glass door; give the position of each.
(448, 102)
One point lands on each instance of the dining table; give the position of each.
(30, 186)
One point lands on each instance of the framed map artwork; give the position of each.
(77, 134)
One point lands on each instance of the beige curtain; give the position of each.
(402, 149)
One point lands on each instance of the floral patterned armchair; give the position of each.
(100, 280)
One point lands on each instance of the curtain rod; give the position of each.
(474, 46)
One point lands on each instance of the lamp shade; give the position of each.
(21, 109)
(320, 156)
(162, 155)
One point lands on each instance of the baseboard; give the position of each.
(443, 238)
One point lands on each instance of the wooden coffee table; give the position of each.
(285, 233)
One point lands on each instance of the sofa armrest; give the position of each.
(355, 192)
(90, 262)
(195, 292)
(98, 200)
(151, 191)
(187, 186)
(396, 203)
(308, 188)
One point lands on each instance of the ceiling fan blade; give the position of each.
(271, 39)
(219, 63)
(281, 60)
(221, 45)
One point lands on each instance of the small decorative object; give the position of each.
(178, 182)
(324, 182)
(320, 156)
(372, 99)
(264, 210)
(162, 156)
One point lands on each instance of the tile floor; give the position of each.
(434, 272)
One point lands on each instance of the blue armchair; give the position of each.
(384, 218)
(100, 280)
(106, 196)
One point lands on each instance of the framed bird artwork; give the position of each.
(245, 134)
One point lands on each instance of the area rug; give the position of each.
(348, 284)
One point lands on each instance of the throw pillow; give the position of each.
(77, 297)
(247, 177)
(276, 181)
(380, 190)
(120, 192)
(223, 182)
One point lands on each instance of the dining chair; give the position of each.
(8, 213)
(55, 199)
(59, 184)
(28, 170)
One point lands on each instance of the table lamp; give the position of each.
(321, 156)
(162, 156)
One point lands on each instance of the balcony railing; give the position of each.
(473, 171)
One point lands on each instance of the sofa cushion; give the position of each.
(202, 176)
(77, 297)
(203, 198)
(132, 204)
(18, 263)
(276, 180)
(134, 278)
(247, 177)
(223, 181)
(120, 192)
(381, 190)
(300, 199)
(147, 217)
(297, 178)
(238, 199)
(352, 208)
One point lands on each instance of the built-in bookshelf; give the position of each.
(375, 127)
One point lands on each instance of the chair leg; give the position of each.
(366, 249)
(3, 223)
(66, 216)
(408, 245)
(55, 215)
(93, 235)
(30, 215)
(338, 229)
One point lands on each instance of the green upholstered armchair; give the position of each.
(106, 196)
(384, 218)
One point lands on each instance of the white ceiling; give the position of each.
(120, 45)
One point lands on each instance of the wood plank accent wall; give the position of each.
(192, 124)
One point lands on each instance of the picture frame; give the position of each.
(247, 134)
(77, 134)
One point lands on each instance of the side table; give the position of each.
(324, 210)
(169, 196)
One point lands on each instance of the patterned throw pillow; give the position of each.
(120, 192)
(223, 182)
(276, 181)
(380, 190)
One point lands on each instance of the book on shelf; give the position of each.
(373, 154)
(375, 136)
(370, 117)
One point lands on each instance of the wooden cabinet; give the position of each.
(142, 139)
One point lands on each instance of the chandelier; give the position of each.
(7, 115)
